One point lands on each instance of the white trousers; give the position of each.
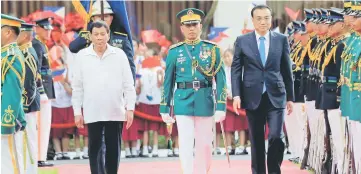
(192, 128)
(337, 125)
(317, 129)
(9, 161)
(295, 124)
(27, 145)
(44, 125)
(356, 143)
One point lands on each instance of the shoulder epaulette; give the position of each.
(210, 42)
(123, 34)
(176, 45)
(85, 35)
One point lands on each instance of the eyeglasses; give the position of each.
(266, 19)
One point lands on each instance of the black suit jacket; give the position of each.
(248, 73)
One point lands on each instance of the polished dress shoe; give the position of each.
(45, 164)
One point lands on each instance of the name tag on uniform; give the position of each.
(181, 59)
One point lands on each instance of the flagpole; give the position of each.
(102, 9)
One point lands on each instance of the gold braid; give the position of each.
(300, 61)
(331, 54)
(323, 51)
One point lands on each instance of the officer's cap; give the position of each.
(355, 7)
(190, 15)
(7, 20)
(290, 30)
(324, 17)
(44, 23)
(26, 27)
(308, 14)
(299, 27)
(346, 6)
(335, 15)
(316, 15)
(96, 10)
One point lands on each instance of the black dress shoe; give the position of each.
(128, 156)
(45, 164)
(76, 158)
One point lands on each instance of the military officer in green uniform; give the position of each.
(31, 100)
(355, 88)
(12, 82)
(193, 65)
(351, 51)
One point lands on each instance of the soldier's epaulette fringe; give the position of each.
(176, 45)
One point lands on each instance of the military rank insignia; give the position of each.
(117, 43)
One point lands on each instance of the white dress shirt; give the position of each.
(103, 86)
(266, 42)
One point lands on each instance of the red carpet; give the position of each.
(173, 167)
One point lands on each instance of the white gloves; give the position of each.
(219, 116)
(167, 118)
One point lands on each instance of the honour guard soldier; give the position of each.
(117, 39)
(322, 159)
(355, 84)
(192, 65)
(311, 31)
(12, 82)
(312, 113)
(351, 45)
(291, 123)
(43, 29)
(330, 90)
(31, 100)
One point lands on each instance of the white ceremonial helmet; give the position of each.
(96, 8)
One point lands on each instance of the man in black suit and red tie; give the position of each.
(262, 84)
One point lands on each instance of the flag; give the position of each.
(60, 11)
(84, 9)
(150, 36)
(151, 62)
(164, 42)
(292, 14)
(214, 32)
(219, 37)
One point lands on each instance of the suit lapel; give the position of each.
(272, 41)
(254, 47)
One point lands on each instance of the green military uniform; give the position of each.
(193, 65)
(181, 69)
(12, 83)
(355, 90)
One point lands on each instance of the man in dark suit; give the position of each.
(262, 79)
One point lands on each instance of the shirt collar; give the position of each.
(109, 50)
(266, 36)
